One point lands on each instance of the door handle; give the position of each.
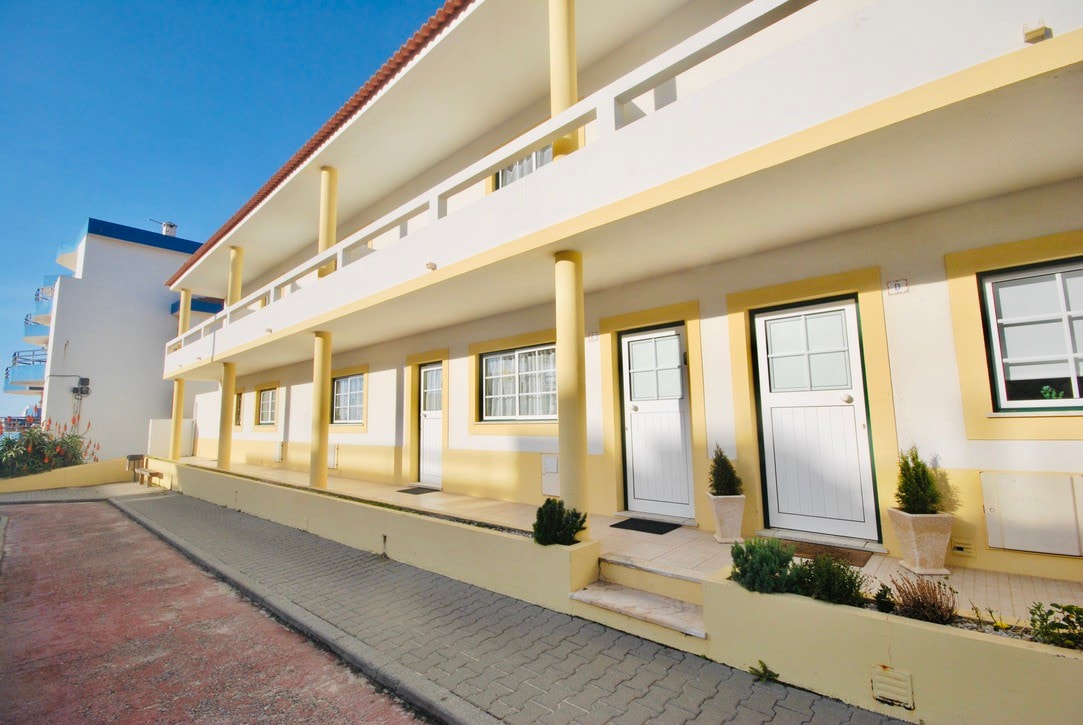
(847, 398)
(635, 408)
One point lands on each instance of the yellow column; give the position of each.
(328, 213)
(571, 390)
(563, 82)
(178, 420)
(225, 415)
(236, 267)
(184, 315)
(321, 409)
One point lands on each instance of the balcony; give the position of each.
(35, 333)
(43, 310)
(716, 148)
(26, 374)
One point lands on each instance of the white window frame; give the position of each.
(524, 166)
(996, 324)
(267, 406)
(517, 354)
(338, 397)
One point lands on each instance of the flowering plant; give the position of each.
(46, 447)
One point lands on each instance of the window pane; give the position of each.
(1073, 287)
(669, 384)
(644, 386)
(1029, 296)
(826, 331)
(786, 335)
(1077, 335)
(641, 353)
(1036, 339)
(829, 370)
(788, 373)
(1036, 371)
(668, 350)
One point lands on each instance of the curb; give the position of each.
(411, 686)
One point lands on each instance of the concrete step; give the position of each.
(680, 616)
(683, 584)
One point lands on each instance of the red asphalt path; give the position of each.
(101, 621)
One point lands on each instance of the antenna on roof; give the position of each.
(169, 229)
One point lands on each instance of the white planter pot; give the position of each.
(728, 513)
(923, 540)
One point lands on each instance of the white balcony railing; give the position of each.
(600, 115)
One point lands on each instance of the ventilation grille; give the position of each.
(963, 548)
(891, 686)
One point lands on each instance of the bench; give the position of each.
(147, 476)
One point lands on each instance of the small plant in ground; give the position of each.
(996, 623)
(883, 600)
(763, 673)
(762, 565)
(917, 492)
(724, 479)
(45, 448)
(925, 599)
(828, 579)
(1057, 624)
(556, 525)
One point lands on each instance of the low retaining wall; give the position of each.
(87, 474)
(500, 562)
(956, 675)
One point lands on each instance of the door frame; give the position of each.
(411, 447)
(754, 351)
(687, 385)
(421, 370)
(867, 286)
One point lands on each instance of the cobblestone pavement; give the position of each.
(102, 621)
(505, 658)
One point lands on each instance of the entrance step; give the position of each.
(683, 584)
(680, 616)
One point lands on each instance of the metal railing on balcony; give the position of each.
(29, 357)
(602, 114)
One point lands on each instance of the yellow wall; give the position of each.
(87, 474)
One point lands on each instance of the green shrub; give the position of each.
(917, 492)
(762, 565)
(1059, 624)
(924, 599)
(44, 448)
(828, 579)
(724, 479)
(555, 525)
(883, 600)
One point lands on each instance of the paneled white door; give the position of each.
(657, 434)
(431, 425)
(814, 421)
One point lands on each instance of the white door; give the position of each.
(657, 434)
(431, 425)
(813, 421)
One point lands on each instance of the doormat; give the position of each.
(418, 490)
(645, 525)
(853, 557)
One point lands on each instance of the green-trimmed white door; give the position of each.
(657, 429)
(814, 420)
(431, 425)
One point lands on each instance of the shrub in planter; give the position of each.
(725, 491)
(828, 579)
(762, 565)
(556, 525)
(926, 599)
(45, 448)
(724, 479)
(1059, 624)
(922, 531)
(917, 492)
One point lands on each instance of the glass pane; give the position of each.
(829, 370)
(1036, 339)
(642, 355)
(827, 331)
(669, 384)
(1028, 296)
(789, 373)
(1037, 371)
(1073, 287)
(644, 386)
(1077, 335)
(786, 335)
(668, 351)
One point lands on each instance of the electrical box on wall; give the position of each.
(1037, 512)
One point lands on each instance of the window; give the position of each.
(1034, 319)
(524, 167)
(238, 400)
(268, 401)
(348, 399)
(519, 384)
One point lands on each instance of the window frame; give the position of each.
(517, 417)
(334, 398)
(993, 325)
(258, 420)
(238, 409)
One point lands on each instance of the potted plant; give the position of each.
(727, 498)
(921, 525)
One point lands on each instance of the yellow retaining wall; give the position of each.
(958, 675)
(504, 563)
(87, 474)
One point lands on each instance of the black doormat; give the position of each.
(853, 557)
(646, 526)
(418, 490)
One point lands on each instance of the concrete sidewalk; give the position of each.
(460, 652)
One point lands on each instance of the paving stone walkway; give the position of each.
(81, 493)
(464, 653)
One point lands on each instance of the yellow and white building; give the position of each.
(565, 249)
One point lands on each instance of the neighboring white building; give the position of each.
(104, 328)
(811, 232)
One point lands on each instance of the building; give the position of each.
(102, 329)
(553, 250)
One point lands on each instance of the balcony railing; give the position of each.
(28, 357)
(599, 116)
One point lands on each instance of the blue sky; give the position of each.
(133, 111)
